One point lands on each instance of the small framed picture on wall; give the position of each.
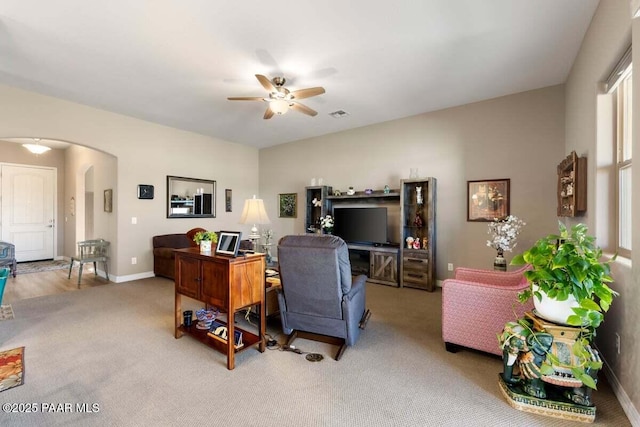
(287, 205)
(108, 200)
(227, 200)
(488, 200)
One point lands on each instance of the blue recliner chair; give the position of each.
(319, 300)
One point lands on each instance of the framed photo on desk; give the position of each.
(228, 243)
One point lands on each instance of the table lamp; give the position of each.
(254, 213)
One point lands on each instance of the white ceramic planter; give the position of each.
(554, 310)
(205, 246)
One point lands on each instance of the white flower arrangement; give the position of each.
(268, 235)
(326, 223)
(504, 233)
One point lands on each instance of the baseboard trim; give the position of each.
(627, 406)
(130, 277)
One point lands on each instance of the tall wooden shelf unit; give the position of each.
(572, 186)
(314, 213)
(417, 268)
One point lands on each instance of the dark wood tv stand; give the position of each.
(379, 263)
(227, 283)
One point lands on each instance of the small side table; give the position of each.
(272, 287)
(560, 385)
(266, 249)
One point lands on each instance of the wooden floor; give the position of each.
(32, 285)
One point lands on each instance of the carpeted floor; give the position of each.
(110, 353)
(39, 266)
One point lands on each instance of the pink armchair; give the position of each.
(476, 304)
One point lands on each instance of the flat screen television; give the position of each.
(361, 225)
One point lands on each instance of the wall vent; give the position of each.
(339, 114)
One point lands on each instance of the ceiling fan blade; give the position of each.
(268, 114)
(245, 98)
(303, 109)
(266, 83)
(307, 93)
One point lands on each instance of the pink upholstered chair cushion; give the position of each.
(476, 304)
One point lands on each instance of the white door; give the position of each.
(28, 196)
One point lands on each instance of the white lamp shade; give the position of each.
(254, 212)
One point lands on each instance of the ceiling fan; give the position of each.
(280, 99)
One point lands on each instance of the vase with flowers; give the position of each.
(504, 233)
(326, 224)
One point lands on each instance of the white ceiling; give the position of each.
(176, 62)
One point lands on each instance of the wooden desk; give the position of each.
(229, 284)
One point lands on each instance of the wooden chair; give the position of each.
(93, 251)
(8, 256)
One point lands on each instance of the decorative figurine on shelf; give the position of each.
(424, 242)
(416, 243)
(351, 191)
(368, 191)
(387, 190)
(316, 202)
(409, 241)
(313, 182)
(419, 199)
(337, 193)
(570, 189)
(417, 221)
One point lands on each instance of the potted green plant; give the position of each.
(205, 239)
(567, 268)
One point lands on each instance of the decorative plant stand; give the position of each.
(558, 393)
(555, 405)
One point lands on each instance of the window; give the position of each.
(620, 86)
(624, 132)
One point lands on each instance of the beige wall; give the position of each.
(146, 153)
(520, 137)
(609, 35)
(104, 173)
(15, 153)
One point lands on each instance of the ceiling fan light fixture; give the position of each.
(279, 106)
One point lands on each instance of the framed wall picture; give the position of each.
(287, 205)
(108, 200)
(145, 191)
(488, 200)
(227, 200)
